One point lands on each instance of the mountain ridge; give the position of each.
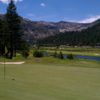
(42, 29)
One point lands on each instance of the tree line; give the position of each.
(87, 37)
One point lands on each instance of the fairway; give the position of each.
(49, 50)
(50, 82)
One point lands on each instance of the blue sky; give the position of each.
(83, 11)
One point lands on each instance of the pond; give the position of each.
(85, 57)
(77, 56)
(88, 57)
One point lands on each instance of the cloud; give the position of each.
(31, 15)
(35, 17)
(90, 19)
(7, 1)
(43, 4)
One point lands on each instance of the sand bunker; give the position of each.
(13, 63)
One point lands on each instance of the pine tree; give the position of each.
(14, 30)
(0, 31)
(2, 37)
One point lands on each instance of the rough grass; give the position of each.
(51, 79)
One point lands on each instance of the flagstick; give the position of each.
(4, 69)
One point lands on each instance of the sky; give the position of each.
(82, 11)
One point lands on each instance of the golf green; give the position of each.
(50, 82)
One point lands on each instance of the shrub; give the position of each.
(61, 55)
(38, 54)
(25, 54)
(55, 54)
(70, 56)
(45, 53)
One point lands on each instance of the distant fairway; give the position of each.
(75, 80)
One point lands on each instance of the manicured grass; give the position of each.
(51, 79)
(76, 51)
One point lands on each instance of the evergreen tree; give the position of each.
(14, 30)
(2, 38)
(0, 31)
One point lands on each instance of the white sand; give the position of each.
(13, 63)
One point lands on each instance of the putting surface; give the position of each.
(49, 82)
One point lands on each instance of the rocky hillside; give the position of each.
(42, 29)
